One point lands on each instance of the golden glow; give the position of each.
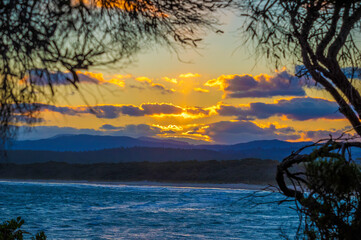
(143, 79)
(184, 114)
(277, 125)
(303, 138)
(197, 136)
(171, 80)
(117, 82)
(120, 76)
(200, 134)
(201, 90)
(216, 82)
(190, 75)
(169, 127)
(97, 76)
(284, 68)
(135, 6)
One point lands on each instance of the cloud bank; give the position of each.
(227, 132)
(299, 109)
(261, 86)
(43, 78)
(108, 111)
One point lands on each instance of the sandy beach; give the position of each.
(240, 186)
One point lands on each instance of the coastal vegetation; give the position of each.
(11, 230)
(250, 171)
(140, 154)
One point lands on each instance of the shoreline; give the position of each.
(232, 186)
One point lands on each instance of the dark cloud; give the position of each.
(108, 111)
(197, 111)
(132, 130)
(41, 132)
(131, 110)
(306, 78)
(244, 131)
(163, 89)
(27, 119)
(227, 110)
(136, 87)
(100, 111)
(241, 83)
(300, 109)
(67, 110)
(138, 130)
(324, 134)
(350, 72)
(169, 132)
(261, 86)
(42, 78)
(110, 127)
(160, 108)
(287, 130)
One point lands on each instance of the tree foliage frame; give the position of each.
(322, 37)
(47, 37)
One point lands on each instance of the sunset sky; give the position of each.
(220, 93)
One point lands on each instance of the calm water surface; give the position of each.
(91, 211)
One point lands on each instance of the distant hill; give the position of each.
(97, 147)
(137, 154)
(260, 144)
(85, 142)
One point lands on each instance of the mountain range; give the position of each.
(93, 148)
(83, 142)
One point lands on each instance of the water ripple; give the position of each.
(95, 211)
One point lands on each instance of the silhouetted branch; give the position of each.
(71, 35)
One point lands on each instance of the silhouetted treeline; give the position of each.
(134, 154)
(254, 171)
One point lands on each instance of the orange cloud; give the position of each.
(100, 4)
(117, 82)
(129, 6)
(97, 76)
(143, 79)
(171, 80)
(201, 90)
(169, 127)
(189, 75)
(109, 111)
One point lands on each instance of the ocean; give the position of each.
(100, 211)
